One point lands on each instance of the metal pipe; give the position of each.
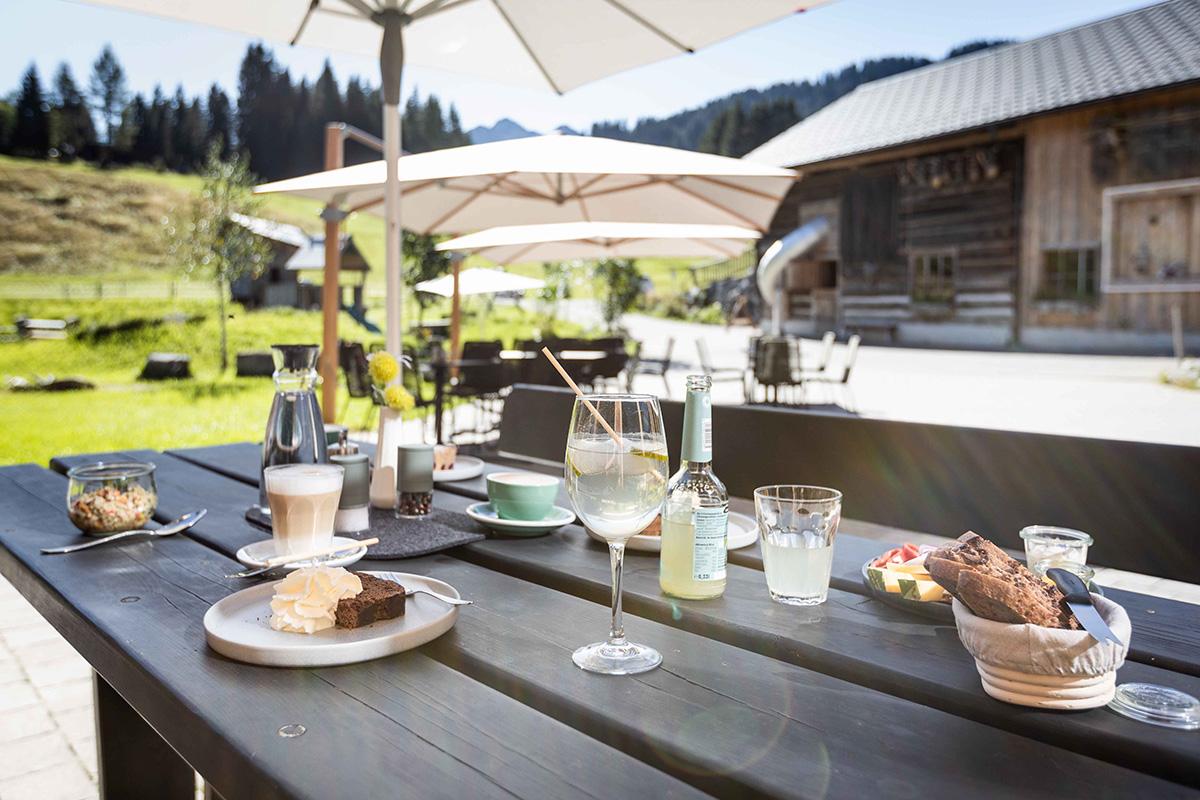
(391, 65)
(769, 275)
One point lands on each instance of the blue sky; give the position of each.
(802, 46)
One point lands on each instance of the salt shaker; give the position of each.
(353, 514)
(414, 480)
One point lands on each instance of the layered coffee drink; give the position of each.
(304, 501)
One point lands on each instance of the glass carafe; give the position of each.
(295, 432)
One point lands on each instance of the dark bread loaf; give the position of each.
(996, 586)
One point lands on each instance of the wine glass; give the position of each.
(616, 473)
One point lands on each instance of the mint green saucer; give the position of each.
(554, 519)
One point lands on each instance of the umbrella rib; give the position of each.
(578, 195)
(437, 7)
(312, 6)
(692, 193)
(541, 67)
(580, 188)
(470, 199)
(659, 32)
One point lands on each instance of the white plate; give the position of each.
(256, 554)
(239, 627)
(464, 467)
(743, 532)
(555, 519)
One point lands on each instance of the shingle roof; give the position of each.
(1144, 49)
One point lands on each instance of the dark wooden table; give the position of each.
(849, 699)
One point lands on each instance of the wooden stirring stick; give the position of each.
(579, 393)
(279, 561)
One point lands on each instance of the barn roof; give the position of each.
(1145, 49)
(310, 250)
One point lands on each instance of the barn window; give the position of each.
(933, 277)
(1069, 273)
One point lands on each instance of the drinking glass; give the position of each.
(796, 525)
(616, 474)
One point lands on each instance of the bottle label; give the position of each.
(708, 551)
(706, 435)
(697, 427)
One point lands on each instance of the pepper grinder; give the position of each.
(414, 480)
(353, 514)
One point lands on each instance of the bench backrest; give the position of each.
(1141, 502)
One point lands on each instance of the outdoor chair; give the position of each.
(412, 379)
(841, 381)
(775, 360)
(483, 384)
(612, 365)
(722, 375)
(639, 365)
(827, 341)
(352, 359)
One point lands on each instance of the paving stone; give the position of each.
(10, 671)
(22, 722)
(49, 650)
(51, 673)
(35, 632)
(68, 781)
(77, 724)
(34, 753)
(85, 751)
(67, 696)
(17, 695)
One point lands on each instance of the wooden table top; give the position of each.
(753, 698)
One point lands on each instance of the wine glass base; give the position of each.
(612, 659)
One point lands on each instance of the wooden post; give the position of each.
(455, 315)
(330, 293)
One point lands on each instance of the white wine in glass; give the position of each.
(616, 473)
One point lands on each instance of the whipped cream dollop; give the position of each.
(306, 600)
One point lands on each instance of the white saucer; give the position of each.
(257, 553)
(556, 518)
(743, 532)
(239, 627)
(464, 467)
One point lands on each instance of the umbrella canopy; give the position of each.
(553, 45)
(479, 280)
(556, 178)
(589, 240)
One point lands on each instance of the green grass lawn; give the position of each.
(210, 408)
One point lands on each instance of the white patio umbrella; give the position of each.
(480, 280)
(558, 45)
(567, 241)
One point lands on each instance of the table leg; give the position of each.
(133, 759)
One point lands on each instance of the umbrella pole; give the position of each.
(331, 290)
(391, 64)
(455, 315)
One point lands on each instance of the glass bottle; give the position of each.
(295, 431)
(696, 514)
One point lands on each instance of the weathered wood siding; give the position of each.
(1070, 158)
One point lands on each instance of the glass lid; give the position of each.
(1157, 705)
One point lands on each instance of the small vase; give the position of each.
(383, 477)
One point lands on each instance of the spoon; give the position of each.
(182, 524)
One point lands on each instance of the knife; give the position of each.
(1080, 601)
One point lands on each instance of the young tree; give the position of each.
(108, 90)
(31, 131)
(423, 263)
(71, 129)
(8, 120)
(208, 241)
(620, 284)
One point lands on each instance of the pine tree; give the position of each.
(219, 123)
(130, 132)
(108, 91)
(71, 129)
(8, 120)
(159, 125)
(31, 132)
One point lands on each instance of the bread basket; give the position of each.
(1052, 668)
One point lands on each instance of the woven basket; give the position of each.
(1029, 665)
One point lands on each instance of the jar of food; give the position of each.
(111, 497)
(1048, 543)
(414, 480)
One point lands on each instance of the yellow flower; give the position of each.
(398, 398)
(383, 368)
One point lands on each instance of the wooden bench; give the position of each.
(1137, 499)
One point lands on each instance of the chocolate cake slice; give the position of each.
(379, 599)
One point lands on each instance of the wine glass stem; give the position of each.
(616, 553)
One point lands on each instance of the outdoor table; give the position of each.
(847, 699)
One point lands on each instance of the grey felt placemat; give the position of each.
(406, 538)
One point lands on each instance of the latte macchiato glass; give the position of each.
(304, 501)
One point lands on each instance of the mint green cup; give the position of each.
(525, 496)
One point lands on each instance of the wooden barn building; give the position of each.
(1044, 194)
